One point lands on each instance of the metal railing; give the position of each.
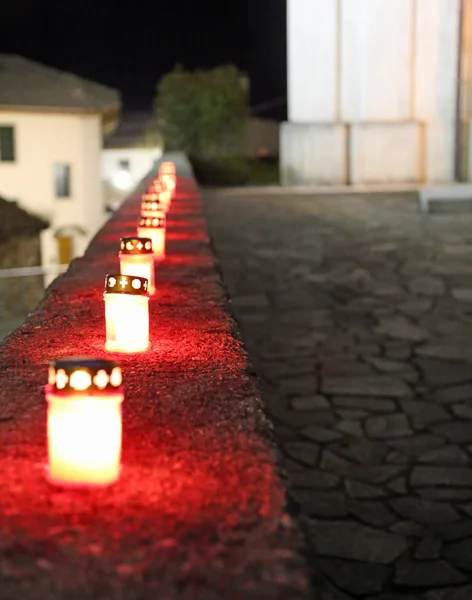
(21, 289)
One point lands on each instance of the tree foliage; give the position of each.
(203, 112)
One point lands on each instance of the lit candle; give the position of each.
(137, 258)
(154, 228)
(84, 397)
(126, 313)
(167, 176)
(152, 205)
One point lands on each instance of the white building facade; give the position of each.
(379, 91)
(123, 168)
(50, 152)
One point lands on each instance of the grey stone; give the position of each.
(367, 404)
(416, 444)
(320, 434)
(463, 411)
(445, 494)
(297, 419)
(427, 574)
(401, 328)
(352, 541)
(428, 548)
(368, 349)
(460, 554)
(250, 301)
(372, 513)
(361, 451)
(388, 426)
(353, 577)
(451, 395)
(374, 385)
(356, 489)
(321, 504)
(389, 366)
(422, 414)
(438, 372)
(424, 511)
(462, 593)
(448, 350)
(353, 428)
(352, 415)
(426, 286)
(453, 531)
(386, 291)
(398, 486)
(313, 479)
(397, 350)
(447, 455)
(308, 403)
(397, 458)
(304, 452)
(408, 528)
(299, 386)
(457, 432)
(447, 476)
(462, 294)
(417, 306)
(374, 474)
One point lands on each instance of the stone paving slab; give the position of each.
(357, 314)
(199, 512)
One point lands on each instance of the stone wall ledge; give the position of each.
(199, 512)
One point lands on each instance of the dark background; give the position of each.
(129, 44)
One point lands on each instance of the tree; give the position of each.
(203, 113)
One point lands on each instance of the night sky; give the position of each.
(129, 44)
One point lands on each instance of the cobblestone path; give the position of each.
(357, 313)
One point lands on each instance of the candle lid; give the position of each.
(136, 245)
(156, 187)
(83, 374)
(126, 284)
(152, 222)
(167, 167)
(152, 205)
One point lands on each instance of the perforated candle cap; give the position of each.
(151, 205)
(136, 245)
(167, 167)
(81, 374)
(126, 284)
(152, 222)
(156, 186)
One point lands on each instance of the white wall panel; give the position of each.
(312, 60)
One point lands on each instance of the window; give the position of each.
(64, 249)
(124, 165)
(7, 144)
(62, 180)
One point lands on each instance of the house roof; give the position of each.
(30, 85)
(16, 221)
(132, 130)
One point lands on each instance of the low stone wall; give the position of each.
(199, 512)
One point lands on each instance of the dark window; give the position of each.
(124, 165)
(7, 144)
(62, 180)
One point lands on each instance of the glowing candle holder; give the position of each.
(137, 258)
(84, 397)
(126, 313)
(154, 228)
(167, 177)
(152, 206)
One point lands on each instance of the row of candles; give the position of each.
(85, 395)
